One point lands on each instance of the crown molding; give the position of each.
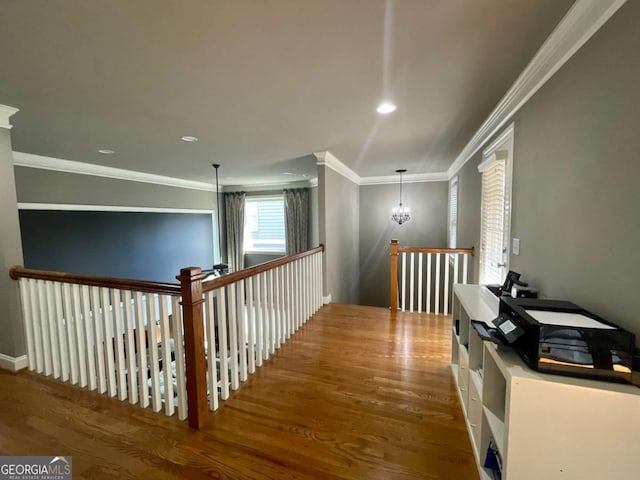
(328, 159)
(406, 178)
(75, 207)
(582, 20)
(22, 159)
(5, 113)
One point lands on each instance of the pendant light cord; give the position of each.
(216, 166)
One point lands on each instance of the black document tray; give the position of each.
(486, 332)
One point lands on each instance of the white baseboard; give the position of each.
(326, 300)
(13, 364)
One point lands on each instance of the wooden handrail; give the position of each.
(17, 272)
(469, 251)
(252, 271)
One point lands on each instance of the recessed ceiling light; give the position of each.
(106, 151)
(189, 138)
(287, 173)
(386, 107)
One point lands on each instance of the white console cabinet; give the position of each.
(545, 427)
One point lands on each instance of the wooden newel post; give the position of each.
(192, 317)
(393, 276)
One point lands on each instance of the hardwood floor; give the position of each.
(352, 395)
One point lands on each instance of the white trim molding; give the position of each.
(582, 20)
(22, 159)
(406, 178)
(328, 159)
(13, 364)
(105, 208)
(5, 113)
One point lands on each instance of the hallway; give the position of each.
(352, 395)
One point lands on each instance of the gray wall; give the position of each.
(252, 259)
(47, 186)
(11, 336)
(427, 228)
(339, 211)
(576, 177)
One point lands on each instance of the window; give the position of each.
(264, 224)
(453, 212)
(496, 209)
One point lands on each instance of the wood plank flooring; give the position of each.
(353, 395)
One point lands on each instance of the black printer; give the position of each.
(560, 337)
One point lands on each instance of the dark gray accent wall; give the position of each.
(11, 333)
(35, 185)
(427, 228)
(144, 246)
(339, 231)
(576, 177)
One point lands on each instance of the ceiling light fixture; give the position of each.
(106, 151)
(401, 214)
(386, 107)
(189, 138)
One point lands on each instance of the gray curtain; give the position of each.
(296, 219)
(234, 213)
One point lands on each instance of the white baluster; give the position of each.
(53, 331)
(27, 303)
(465, 263)
(428, 309)
(265, 316)
(44, 326)
(276, 308)
(152, 336)
(411, 285)
(223, 345)
(281, 303)
(271, 323)
(129, 325)
(82, 354)
(233, 337)
(85, 306)
(141, 339)
(70, 330)
(455, 268)
(259, 318)
(251, 312)
(116, 305)
(242, 331)
(211, 352)
(419, 282)
(165, 336)
(446, 284)
(178, 341)
(437, 309)
(108, 342)
(62, 335)
(403, 281)
(98, 341)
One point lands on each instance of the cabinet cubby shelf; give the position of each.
(544, 426)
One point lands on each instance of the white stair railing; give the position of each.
(422, 279)
(121, 338)
(250, 314)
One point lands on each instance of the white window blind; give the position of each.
(493, 222)
(453, 213)
(264, 224)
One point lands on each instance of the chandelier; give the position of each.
(401, 214)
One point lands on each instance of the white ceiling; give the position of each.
(261, 83)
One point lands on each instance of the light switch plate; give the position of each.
(515, 246)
